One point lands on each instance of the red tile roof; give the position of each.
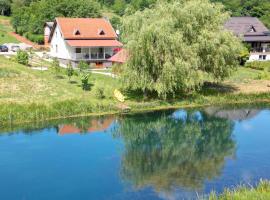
(94, 126)
(120, 57)
(94, 43)
(88, 28)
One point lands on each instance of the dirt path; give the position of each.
(25, 40)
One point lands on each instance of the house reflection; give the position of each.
(237, 114)
(86, 126)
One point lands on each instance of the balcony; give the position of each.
(260, 50)
(94, 54)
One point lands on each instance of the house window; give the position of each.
(101, 32)
(78, 50)
(262, 57)
(252, 29)
(77, 32)
(56, 48)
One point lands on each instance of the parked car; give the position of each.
(3, 48)
(15, 48)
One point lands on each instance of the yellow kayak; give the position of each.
(119, 96)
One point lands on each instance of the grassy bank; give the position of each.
(5, 28)
(260, 192)
(32, 95)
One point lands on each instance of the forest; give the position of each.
(28, 16)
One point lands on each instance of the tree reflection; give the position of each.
(165, 151)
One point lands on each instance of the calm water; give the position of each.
(162, 155)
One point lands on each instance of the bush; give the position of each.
(70, 71)
(259, 65)
(99, 92)
(83, 66)
(117, 69)
(35, 38)
(22, 57)
(84, 80)
(56, 65)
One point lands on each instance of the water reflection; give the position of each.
(233, 114)
(182, 150)
(178, 149)
(86, 126)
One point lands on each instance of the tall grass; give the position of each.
(260, 192)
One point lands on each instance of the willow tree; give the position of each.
(175, 47)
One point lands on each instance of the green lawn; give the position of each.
(5, 28)
(244, 74)
(32, 95)
(20, 84)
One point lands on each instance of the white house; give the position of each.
(89, 39)
(254, 33)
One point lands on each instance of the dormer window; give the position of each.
(251, 29)
(77, 32)
(101, 32)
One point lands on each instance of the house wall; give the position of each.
(47, 32)
(59, 47)
(259, 57)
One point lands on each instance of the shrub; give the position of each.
(70, 71)
(259, 65)
(56, 65)
(83, 66)
(99, 92)
(22, 57)
(117, 69)
(35, 38)
(84, 80)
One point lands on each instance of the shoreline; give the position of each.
(136, 108)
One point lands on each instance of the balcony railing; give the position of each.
(260, 50)
(92, 54)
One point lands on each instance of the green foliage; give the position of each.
(119, 6)
(22, 57)
(116, 22)
(255, 8)
(85, 81)
(37, 38)
(55, 65)
(70, 71)
(259, 65)
(170, 47)
(83, 66)
(5, 6)
(31, 18)
(99, 92)
(244, 56)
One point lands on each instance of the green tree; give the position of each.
(119, 6)
(5, 7)
(70, 71)
(175, 47)
(85, 81)
(55, 65)
(22, 57)
(83, 66)
(30, 18)
(84, 74)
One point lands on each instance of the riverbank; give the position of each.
(28, 95)
(261, 191)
